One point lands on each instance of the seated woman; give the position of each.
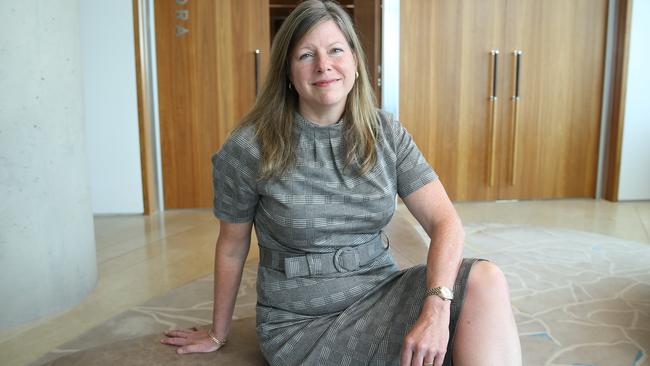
(316, 167)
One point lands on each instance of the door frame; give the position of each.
(613, 130)
(148, 122)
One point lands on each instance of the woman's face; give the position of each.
(323, 71)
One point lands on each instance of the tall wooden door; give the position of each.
(458, 94)
(207, 67)
(445, 85)
(551, 132)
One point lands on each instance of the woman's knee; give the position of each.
(487, 278)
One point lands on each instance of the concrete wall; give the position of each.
(47, 246)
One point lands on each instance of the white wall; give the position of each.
(390, 57)
(108, 59)
(634, 183)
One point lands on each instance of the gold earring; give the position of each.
(357, 74)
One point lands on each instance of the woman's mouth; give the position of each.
(323, 83)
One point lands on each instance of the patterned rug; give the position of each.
(579, 298)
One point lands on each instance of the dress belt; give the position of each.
(343, 260)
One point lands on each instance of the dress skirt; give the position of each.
(369, 331)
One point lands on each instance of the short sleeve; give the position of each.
(234, 177)
(412, 169)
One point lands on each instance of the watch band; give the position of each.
(441, 291)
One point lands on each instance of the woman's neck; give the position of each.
(323, 117)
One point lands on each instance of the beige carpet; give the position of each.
(580, 299)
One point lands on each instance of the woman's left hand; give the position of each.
(426, 342)
(193, 340)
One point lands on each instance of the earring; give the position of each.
(290, 86)
(357, 74)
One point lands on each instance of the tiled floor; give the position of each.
(628, 220)
(141, 258)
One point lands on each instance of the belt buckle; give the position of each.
(341, 267)
(385, 243)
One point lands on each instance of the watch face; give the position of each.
(447, 293)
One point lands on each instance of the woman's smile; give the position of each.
(324, 83)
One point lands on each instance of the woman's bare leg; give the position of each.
(486, 333)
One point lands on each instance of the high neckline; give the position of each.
(304, 123)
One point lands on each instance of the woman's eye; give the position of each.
(337, 50)
(304, 56)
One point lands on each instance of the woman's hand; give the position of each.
(426, 342)
(192, 340)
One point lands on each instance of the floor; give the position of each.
(140, 258)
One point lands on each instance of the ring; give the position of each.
(428, 364)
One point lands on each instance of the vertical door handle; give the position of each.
(517, 54)
(495, 64)
(257, 71)
(515, 116)
(493, 109)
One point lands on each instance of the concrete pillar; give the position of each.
(47, 246)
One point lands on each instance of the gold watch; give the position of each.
(442, 292)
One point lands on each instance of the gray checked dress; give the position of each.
(357, 315)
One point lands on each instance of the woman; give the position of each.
(316, 167)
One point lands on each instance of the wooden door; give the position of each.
(543, 146)
(446, 79)
(367, 20)
(206, 82)
(551, 138)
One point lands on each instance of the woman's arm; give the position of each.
(230, 254)
(431, 206)
(427, 340)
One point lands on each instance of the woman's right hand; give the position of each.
(193, 340)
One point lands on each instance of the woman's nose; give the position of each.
(323, 63)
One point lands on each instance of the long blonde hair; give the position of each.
(272, 114)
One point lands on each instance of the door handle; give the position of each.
(517, 54)
(493, 111)
(257, 71)
(515, 116)
(495, 64)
